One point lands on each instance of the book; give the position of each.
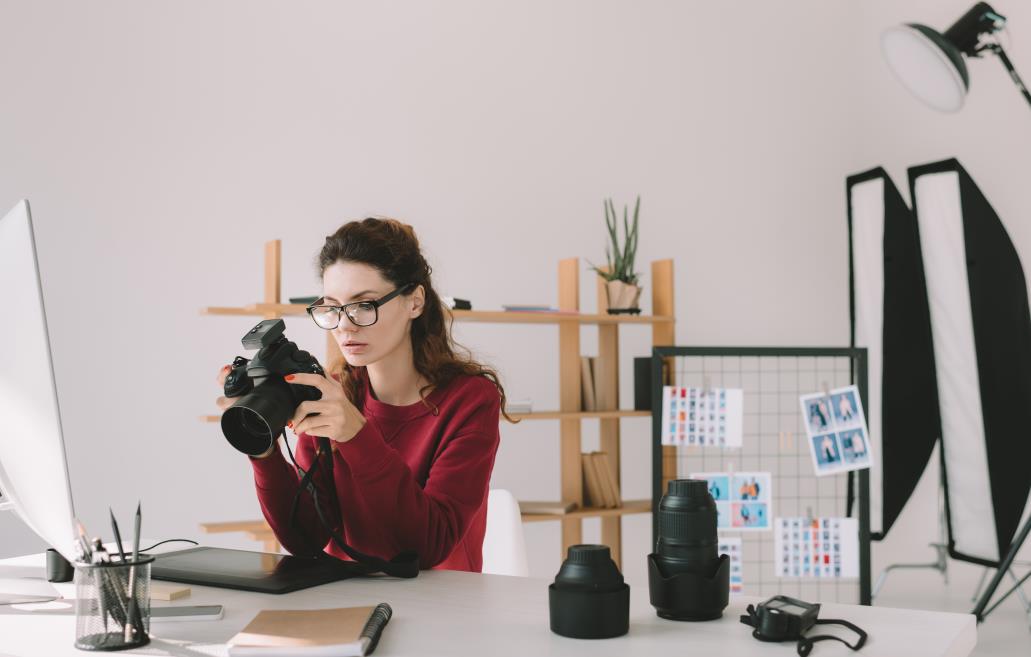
(609, 483)
(592, 482)
(539, 309)
(587, 384)
(519, 405)
(547, 508)
(340, 632)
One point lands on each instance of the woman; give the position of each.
(413, 426)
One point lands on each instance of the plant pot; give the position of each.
(622, 298)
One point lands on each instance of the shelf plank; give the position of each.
(483, 316)
(629, 507)
(537, 415)
(559, 415)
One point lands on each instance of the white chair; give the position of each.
(504, 548)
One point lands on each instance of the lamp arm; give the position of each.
(997, 49)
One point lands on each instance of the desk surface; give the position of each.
(452, 613)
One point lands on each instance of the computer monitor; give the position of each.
(33, 468)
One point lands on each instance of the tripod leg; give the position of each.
(1004, 566)
(980, 585)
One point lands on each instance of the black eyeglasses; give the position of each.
(361, 313)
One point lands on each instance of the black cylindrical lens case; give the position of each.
(58, 568)
(589, 599)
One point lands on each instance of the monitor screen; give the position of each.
(33, 470)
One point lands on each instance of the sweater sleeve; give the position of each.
(429, 520)
(277, 482)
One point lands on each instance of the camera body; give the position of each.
(783, 619)
(265, 401)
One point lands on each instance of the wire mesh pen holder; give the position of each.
(112, 605)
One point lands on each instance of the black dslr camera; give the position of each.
(266, 401)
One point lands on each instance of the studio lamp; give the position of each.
(931, 64)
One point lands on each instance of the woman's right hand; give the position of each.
(224, 402)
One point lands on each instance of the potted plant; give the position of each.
(622, 289)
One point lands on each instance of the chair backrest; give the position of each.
(504, 548)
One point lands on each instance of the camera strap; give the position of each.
(404, 565)
(805, 643)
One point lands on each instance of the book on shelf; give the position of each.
(341, 632)
(587, 387)
(600, 485)
(608, 478)
(538, 309)
(547, 508)
(519, 405)
(594, 497)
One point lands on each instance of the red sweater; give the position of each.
(409, 480)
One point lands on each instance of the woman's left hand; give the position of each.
(333, 416)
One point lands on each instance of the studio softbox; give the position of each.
(981, 334)
(890, 318)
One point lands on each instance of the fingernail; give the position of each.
(289, 377)
(290, 424)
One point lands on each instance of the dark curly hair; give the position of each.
(392, 248)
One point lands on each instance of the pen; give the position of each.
(135, 624)
(96, 558)
(108, 589)
(87, 554)
(130, 620)
(118, 535)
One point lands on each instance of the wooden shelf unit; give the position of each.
(569, 415)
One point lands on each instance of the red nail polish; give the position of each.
(289, 377)
(290, 424)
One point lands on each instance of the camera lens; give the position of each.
(589, 599)
(256, 419)
(688, 579)
(687, 529)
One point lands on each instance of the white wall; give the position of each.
(162, 144)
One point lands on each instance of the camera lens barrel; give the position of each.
(687, 577)
(253, 423)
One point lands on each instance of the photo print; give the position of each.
(836, 426)
(743, 499)
(697, 416)
(731, 546)
(817, 548)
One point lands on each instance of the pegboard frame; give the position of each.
(664, 457)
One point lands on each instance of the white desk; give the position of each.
(451, 613)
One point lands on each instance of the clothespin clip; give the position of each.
(706, 385)
(825, 388)
(784, 440)
(809, 515)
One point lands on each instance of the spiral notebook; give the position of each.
(343, 632)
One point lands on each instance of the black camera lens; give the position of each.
(589, 599)
(256, 419)
(688, 578)
(687, 529)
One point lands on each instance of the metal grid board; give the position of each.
(774, 441)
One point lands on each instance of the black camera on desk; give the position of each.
(266, 401)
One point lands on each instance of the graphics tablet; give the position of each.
(263, 572)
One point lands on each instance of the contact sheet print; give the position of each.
(709, 417)
(816, 547)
